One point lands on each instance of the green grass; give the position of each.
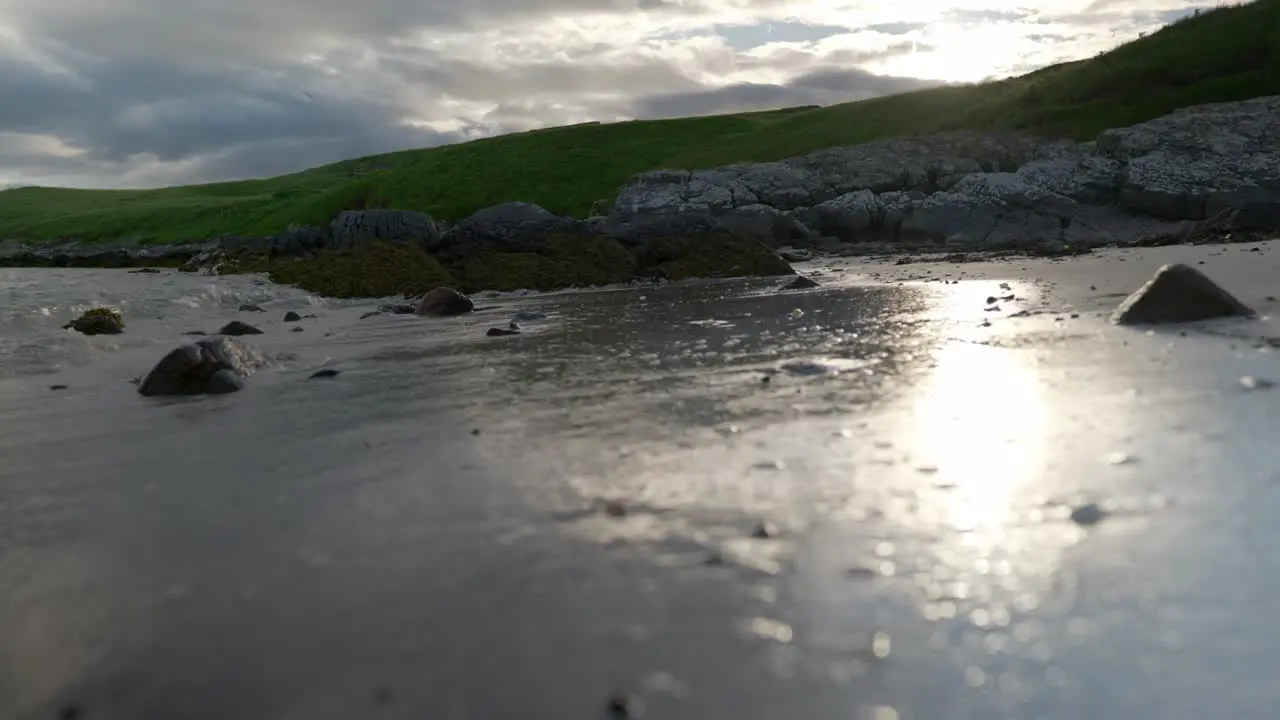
(1232, 53)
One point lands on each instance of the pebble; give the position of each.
(1256, 383)
(1088, 514)
(325, 373)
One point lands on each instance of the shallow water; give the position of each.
(422, 535)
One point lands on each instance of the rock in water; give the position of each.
(235, 327)
(444, 301)
(1178, 293)
(292, 316)
(801, 283)
(98, 321)
(502, 332)
(251, 308)
(215, 366)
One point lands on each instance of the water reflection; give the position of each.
(981, 420)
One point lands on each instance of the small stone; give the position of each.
(443, 302)
(296, 329)
(202, 367)
(57, 387)
(475, 431)
(624, 705)
(1178, 293)
(325, 373)
(1005, 286)
(237, 328)
(195, 332)
(801, 283)
(292, 316)
(1256, 383)
(991, 299)
(251, 308)
(764, 531)
(501, 332)
(615, 508)
(1088, 514)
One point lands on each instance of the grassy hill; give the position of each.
(1232, 53)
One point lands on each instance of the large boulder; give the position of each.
(214, 366)
(353, 229)
(443, 301)
(517, 227)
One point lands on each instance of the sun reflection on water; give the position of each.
(979, 423)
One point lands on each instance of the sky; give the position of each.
(146, 93)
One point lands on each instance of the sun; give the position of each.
(954, 53)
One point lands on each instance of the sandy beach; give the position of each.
(868, 500)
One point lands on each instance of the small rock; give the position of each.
(296, 329)
(251, 308)
(57, 387)
(801, 283)
(1178, 293)
(624, 705)
(513, 325)
(325, 373)
(292, 316)
(98, 321)
(195, 332)
(236, 328)
(443, 302)
(1088, 514)
(1256, 383)
(144, 271)
(764, 531)
(501, 332)
(991, 299)
(794, 256)
(615, 508)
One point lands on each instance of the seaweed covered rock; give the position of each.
(98, 321)
(211, 366)
(514, 227)
(443, 302)
(717, 254)
(564, 260)
(377, 269)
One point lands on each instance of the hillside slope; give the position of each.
(1232, 53)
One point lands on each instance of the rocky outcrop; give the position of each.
(213, 366)
(1213, 165)
(352, 229)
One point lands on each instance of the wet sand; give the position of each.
(426, 535)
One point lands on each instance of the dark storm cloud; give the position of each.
(822, 87)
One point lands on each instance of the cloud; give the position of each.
(144, 92)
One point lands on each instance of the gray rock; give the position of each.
(236, 328)
(224, 381)
(443, 301)
(214, 365)
(251, 308)
(502, 332)
(292, 316)
(509, 227)
(353, 229)
(801, 283)
(1203, 162)
(767, 225)
(1178, 293)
